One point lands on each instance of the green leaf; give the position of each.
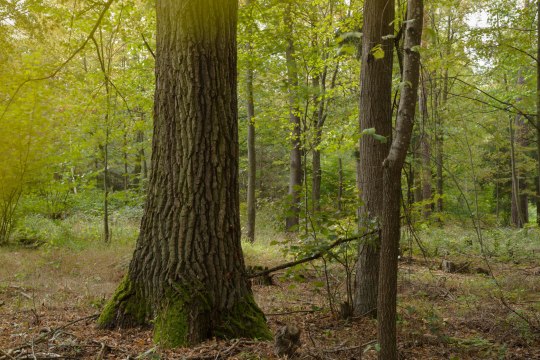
(348, 35)
(370, 131)
(380, 138)
(377, 51)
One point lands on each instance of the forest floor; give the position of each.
(49, 298)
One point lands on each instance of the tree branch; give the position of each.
(312, 257)
(148, 46)
(63, 65)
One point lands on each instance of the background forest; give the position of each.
(76, 107)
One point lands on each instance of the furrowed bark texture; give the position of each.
(375, 112)
(391, 224)
(187, 273)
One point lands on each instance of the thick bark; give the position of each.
(187, 274)
(252, 160)
(393, 164)
(375, 112)
(296, 173)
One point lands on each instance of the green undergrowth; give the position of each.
(500, 244)
(77, 232)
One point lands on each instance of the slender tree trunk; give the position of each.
(296, 173)
(426, 150)
(125, 158)
(139, 158)
(106, 70)
(319, 83)
(106, 229)
(519, 209)
(252, 161)
(517, 218)
(187, 274)
(393, 164)
(375, 112)
(538, 110)
(417, 168)
(340, 185)
(440, 145)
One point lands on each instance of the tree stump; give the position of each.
(287, 340)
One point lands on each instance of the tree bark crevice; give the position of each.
(187, 275)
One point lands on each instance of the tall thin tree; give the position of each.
(375, 113)
(393, 164)
(252, 157)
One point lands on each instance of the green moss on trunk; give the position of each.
(171, 325)
(187, 318)
(245, 320)
(124, 309)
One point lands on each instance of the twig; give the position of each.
(25, 295)
(6, 355)
(101, 351)
(148, 46)
(33, 352)
(312, 257)
(229, 349)
(340, 349)
(44, 336)
(293, 312)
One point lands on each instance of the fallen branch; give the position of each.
(292, 312)
(312, 257)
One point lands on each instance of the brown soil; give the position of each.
(48, 299)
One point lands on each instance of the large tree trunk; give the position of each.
(187, 274)
(393, 164)
(296, 173)
(375, 112)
